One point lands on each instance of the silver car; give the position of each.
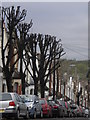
(11, 105)
(35, 108)
(87, 112)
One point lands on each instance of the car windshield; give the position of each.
(31, 98)
(24, 98)
(62, 103)
(5, 97)
(52, 102)
(42, 102)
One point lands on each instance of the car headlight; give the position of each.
(30, 106)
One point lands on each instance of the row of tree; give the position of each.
(39, 53)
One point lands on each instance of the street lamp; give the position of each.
(64, 81)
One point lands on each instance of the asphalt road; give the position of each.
(62, 119)
(80, 118)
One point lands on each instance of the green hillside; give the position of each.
(75, 68)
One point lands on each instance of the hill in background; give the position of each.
(75, 68)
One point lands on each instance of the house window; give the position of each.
(31, 91)
(16, 87)
(4, 88)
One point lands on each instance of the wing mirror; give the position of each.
(36, 101)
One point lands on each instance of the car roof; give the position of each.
(8, 93)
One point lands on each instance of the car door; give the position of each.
(23, 106)
(37, 105)
(40, 106)
(20, 104)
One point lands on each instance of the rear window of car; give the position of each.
(51, 102)
(73, 107)
(5, 97)
(42, 102)
(62, 103)
(32, 98)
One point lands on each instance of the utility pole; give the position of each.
(78, 95)
(65, 80)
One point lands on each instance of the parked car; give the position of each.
(56, 111)
(46, 107)
(81, 111)
(86, 112)
(32, 102)
(75, 110)
(69, 111)
(62, 113)
(11, 105)
(62, 103)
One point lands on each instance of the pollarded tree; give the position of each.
(30, 59)
(50, 53)
(41, 52)
(22, 29)
(11, 18)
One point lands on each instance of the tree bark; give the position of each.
(8, 80)
(57, 82)
(9, 84)
(42, 88)
(22, 76)
(35, 87)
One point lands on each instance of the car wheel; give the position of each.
(27, 115)
(18, 114)
(51, 114)
(63, 114)
(69, 115)
(41, 114)
(59, 113)
(86, 116)
(48, 114)
(34, 115)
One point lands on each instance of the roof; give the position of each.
(16, 75)
(31, 82)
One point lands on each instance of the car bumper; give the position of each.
(31, 111)
(55, 111)
(45, 112)
(8, 113)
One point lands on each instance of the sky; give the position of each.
(67, 21)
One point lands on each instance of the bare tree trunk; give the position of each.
(50, 85)
(9, 84)
(35, 87)
(54, 73)
(8, 80)
(57, 82)
(22, 76)
(42, 89)
(34, 45)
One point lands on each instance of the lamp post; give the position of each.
(71, 79)
(64, 82)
